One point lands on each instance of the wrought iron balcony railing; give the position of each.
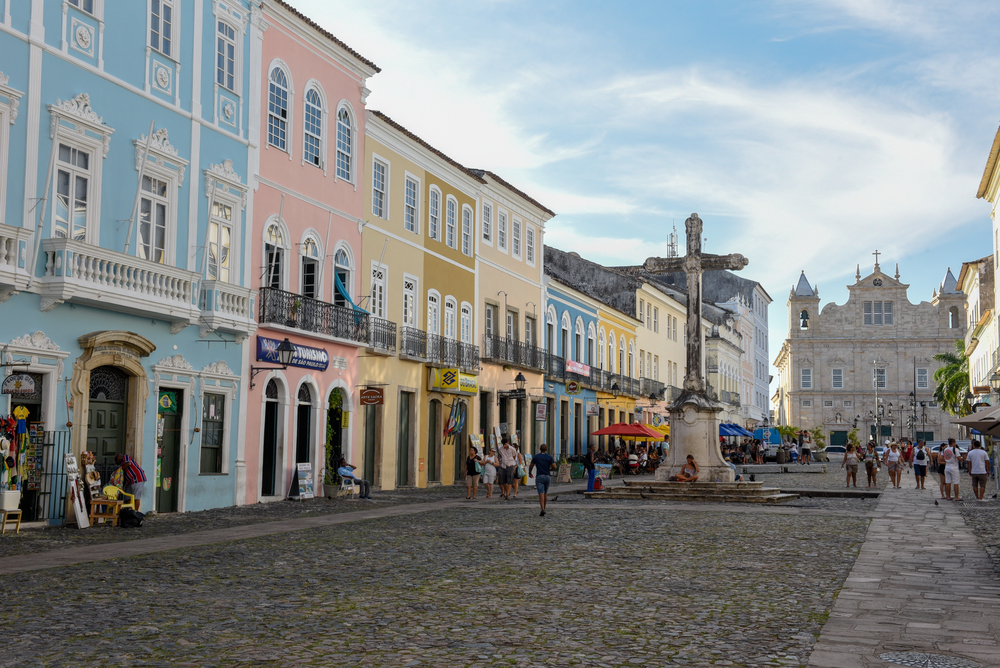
(413, 343)
(650, 386)
(515, 353)
(311, 315)
(468, 357)
(381, 335)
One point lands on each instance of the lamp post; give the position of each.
(286, 351)
(913, 421)
(923, 418)
(519, 381)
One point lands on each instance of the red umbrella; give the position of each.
(634, 430)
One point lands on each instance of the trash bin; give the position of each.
(781, 455)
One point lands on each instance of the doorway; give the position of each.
(334, 430)
(170, 405)
(106, 416)
(270, 463)
(434, 442)
(303, 425)
(371, 415)
(403, 440)
(564, 429)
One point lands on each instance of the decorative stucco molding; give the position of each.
(38, 340)
(161, 152)
(220, 368)
(13, 96)
(79, 113)
(224, 177)
(175, 362)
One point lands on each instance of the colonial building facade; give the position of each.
(858, 365)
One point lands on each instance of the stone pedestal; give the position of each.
(694, 430)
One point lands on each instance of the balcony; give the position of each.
(227, 307)
(449, 353)
(287, 309)
(14, 243)
(730, 398)
(502, 350)
(381, 336)
(84, 274)
(412, 344)
(649, 386)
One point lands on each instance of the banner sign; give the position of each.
(305, 480)
(541, 412)
(305, 356)
(578, 368)
(18, 383)
(452, 381)
(372, 396)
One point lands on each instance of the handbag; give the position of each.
(479, 468)
(520, 471)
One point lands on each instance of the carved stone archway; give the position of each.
(125, 351)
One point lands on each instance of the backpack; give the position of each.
(920, 455)
(130, 519)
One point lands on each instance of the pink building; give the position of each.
(305, 250)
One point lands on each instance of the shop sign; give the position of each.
(306, 357)
(345, 420)
(18, 383)
(452, 381)
(981, 389)
(657, 420)
(573, 388)
(372, 396)
(591, 409)
(577, 367)
(305, 480)
(541, 412)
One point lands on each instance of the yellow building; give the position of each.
(418, 249)
(616, 340)
(510, 307)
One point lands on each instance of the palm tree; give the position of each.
(788, 432)
(953, 380)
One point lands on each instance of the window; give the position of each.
(649, 316)
(152, 220)
(410, 205)
(274, 245)
(467, 230)
(511, 325)
(502, 231)
(212, 432)
(310, 268)
(887, 312)
(487, 222)
(378, 189)
(451, 223)
(828, 403)
(578, 341)
(642, 307)
(277, 108)
(344, 145)
(922, 379)
(565, 350)
(838, 379)
(434, 215)
(161, 20)
(220, 233)
(656, 319)
(656, 367)
(515, 239)
(378, 290)
(449, 318)
(342, 277)
(312, 139)
(409, 302)
(806, 379)
(225, 71)
(529, 245)
(590, 346)
(72, 208)
(466, 323)
(642, 359)
(85, 5)
(530, 335)
(878, 378)
(877, 313)
(848, 403)
(807, 403)
(433, 313)
(491, 319)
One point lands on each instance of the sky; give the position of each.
(805, 133)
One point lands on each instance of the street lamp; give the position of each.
(923, 418)
(913, 421)
(615, 390)
(653, 399)
(286, 350)
(519, 381)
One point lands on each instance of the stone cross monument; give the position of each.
(694, 427)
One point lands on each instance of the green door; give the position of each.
(369, 463)
(433, 464)
(403, 441)
(170, 461)
(106, 429)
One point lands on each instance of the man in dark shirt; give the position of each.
(588, 464)
(543, 462)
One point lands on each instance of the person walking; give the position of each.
(508, 466)
(542, 464)
(871, 464)
(921, 458)
(894, 462)
(850, 463)
(473, 467)
(490, 464)
(979, 469)
(519, 472)
(952, 473)
(806, 447)
(937, 461)
(589, 464)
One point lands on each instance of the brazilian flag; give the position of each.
(167, 402)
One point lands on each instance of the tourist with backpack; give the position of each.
(921, 459)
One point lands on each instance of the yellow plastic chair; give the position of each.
(112, 492)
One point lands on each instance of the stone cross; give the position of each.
(694, 264)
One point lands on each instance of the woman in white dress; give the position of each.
(490, 464)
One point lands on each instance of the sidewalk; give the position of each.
(921, 584)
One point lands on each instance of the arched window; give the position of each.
(578, 336)
(305, 396)
(274, 256)
(953, 317)
(433, 313)
(312, 140)
(603, 360)
(622, 361)
(612, 353)
(451, 223)
(344, 145)
(550, 331)
(449, 318)
(466, 322)
(590, 344)
(564, 350)
(342, 280)
(631, 359)
(277, 109)
(309, 285)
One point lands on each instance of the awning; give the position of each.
(986, 422)
(730, 429)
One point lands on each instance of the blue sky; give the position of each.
(805, 133)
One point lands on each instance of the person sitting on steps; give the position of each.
(689, 472)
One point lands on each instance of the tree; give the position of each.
(953, 380)
(788, 432)
(819, 438)
(852, 438)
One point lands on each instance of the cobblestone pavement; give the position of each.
(833, 479)
(488, 585)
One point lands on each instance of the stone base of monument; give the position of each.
(713, 492)
(694, 430)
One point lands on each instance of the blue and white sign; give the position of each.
(305, 356)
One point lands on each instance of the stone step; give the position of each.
(682, 490)
(693, 485)
(704, 497)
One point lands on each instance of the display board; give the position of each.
(305, 480)
(75, 491)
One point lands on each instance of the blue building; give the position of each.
(571, 338)
(126, 167)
